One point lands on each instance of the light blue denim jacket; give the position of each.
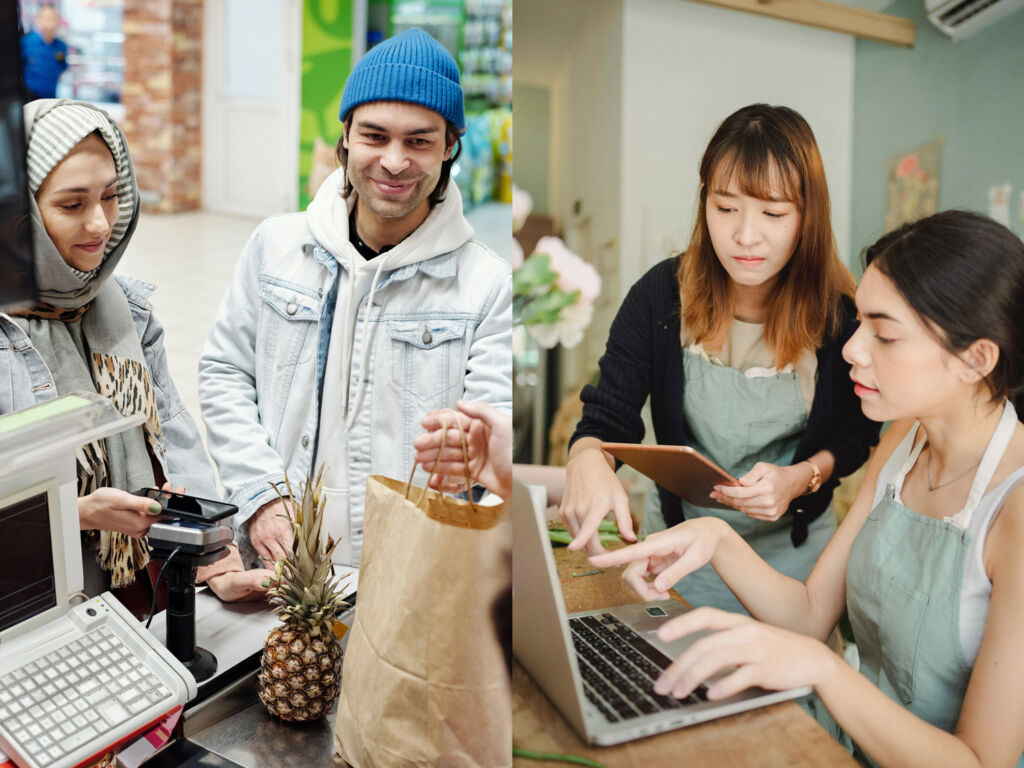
(443, 331)
(26, 380)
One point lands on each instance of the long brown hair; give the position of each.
(763, 147)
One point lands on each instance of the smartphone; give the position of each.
(184, 507)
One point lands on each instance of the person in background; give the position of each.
(344, 324)
(927, 562)
(44, 56)
(91, 331)
(737, 343)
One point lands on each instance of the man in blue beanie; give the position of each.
(344, 325)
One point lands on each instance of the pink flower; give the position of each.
(522, 204)
(574, 274)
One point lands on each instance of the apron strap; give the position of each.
(989, 462)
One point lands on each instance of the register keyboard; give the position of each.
(75, 687)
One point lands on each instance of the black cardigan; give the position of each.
(644, 358)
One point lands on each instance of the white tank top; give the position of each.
(976, 517)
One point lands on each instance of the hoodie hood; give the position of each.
(444, 229)
(53, 127)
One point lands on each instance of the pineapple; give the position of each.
(300, 671)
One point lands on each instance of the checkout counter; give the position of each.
(227, 718)
(224, 724)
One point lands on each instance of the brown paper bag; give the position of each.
(424, 681)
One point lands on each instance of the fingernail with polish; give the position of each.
(154, 508)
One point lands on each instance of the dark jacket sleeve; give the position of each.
(630, 367)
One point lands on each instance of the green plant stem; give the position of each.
(558, 757)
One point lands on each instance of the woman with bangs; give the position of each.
(737, 343)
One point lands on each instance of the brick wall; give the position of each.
(162, 99)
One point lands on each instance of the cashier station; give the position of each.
(222, 723)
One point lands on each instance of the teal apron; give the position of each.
(736, 422)
(903, 585)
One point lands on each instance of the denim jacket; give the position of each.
(26, 380)
(441, 330)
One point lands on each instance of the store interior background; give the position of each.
(231, 106)
(615, 101)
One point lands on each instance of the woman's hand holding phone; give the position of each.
(111, 509)
(592, 491)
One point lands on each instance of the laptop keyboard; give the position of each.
(619, 668)
(57, 703)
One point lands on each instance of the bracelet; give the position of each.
(815, 481)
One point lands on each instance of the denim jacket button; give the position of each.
(427, 337)
(292, 308)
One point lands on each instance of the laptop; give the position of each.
(598, 667)
(74, 680)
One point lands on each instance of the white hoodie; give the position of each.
(350, 357)
(440, 329)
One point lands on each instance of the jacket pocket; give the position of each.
(904, 612)
(288, 323)
(425, 355)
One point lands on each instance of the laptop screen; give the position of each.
(27, 579)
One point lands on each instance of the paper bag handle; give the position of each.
(433, 470)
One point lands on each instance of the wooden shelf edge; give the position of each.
(880, 27)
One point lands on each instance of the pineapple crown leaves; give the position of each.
(303, 591)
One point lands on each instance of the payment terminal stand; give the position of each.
(184, 547)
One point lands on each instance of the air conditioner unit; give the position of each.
(962, 18)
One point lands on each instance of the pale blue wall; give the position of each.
(531, 142)
(970, 93)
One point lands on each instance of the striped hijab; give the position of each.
(53, 128)
(83, 327)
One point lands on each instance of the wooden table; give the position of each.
(778, 735)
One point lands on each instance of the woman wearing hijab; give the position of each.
(95, 332)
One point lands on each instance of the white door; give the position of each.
(251, 106)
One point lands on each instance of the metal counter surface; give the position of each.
(252, 737)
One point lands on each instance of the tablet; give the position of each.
(677, 468)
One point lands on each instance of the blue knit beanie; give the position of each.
(411, 67)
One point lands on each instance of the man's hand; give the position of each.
(270, 530)
(235, 586)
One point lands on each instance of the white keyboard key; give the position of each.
(88, 685)
(48, 706)
(91, 715)
(63, 668)
(96, 695)
(113, 712)
(45, 741)
(81, 705)
(22, 735)
(35, 729)
(36, 711)
(17, 690)
(55, 753)
(77, 739)
(28, 684)
(68, 729)
(5, 696)
(47, 723)
(49, 689)
(32, 746)
(79, 721)
(138, 705)
(5, 713)
(60, 700)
